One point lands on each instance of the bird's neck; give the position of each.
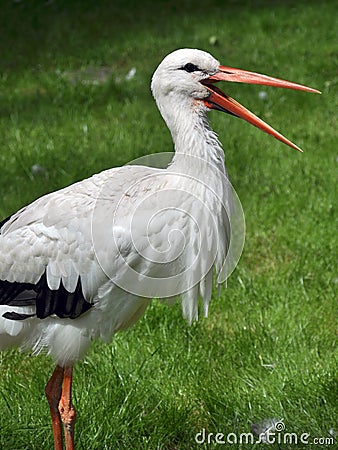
(196, 144)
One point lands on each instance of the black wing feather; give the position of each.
(60, 302)
(2, 222)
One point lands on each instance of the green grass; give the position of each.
(268, 348)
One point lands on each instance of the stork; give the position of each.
(84, 262)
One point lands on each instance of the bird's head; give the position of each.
(187, 77)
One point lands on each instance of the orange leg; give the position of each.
(66, 408)
(53, 392)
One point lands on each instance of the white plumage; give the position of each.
(110, 243)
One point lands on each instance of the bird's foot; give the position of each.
(68, 418)
(68, 415)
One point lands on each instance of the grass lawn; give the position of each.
(269, 347)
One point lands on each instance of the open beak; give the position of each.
(222, 102)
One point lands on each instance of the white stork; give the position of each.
(84, 262)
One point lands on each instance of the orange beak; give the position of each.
(222, 102)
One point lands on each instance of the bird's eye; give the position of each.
(190, 67)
